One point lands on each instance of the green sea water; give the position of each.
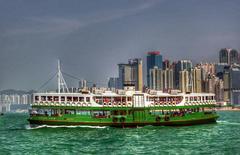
(16, 137)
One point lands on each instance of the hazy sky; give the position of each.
(91, 37)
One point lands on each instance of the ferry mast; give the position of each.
(61, 82)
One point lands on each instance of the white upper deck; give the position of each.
(124, 98)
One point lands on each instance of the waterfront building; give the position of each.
(180, 66)
(16, 98)
(209, 84)
(228, 56)
(156, 78)
(131, 74)
(4, 107)
(220, 68)
(234, 57)
(184, 81)
(174, 68)
(83, 84)
(166, 64)
(161, 79)
(153, 59)
(235, 85)
(226, 79)
(224, 55)
(167, 79)
(207, 69)
(196, 80)
(113, 82)
(231, 78)
(219, 90)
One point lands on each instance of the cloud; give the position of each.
(53, 25)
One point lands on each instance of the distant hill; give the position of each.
(19, 92)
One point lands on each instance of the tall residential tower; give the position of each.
(153, 59)
(131, 74)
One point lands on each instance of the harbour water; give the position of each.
(17, 137)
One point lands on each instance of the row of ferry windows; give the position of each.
(63, 98)
(200, 98)
(112, 99)
(117, 99)
(164, 99)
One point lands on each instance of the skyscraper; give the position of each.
(166, 64)
(220, 68)
(153, 59)
(224, 56)
(180, 66)
(228, 56)
(219, 90)
(197, 80)
(184, 81)
(167, 79)
(174, 68)
(235, 85)
(113, 82)
(156, 79)
(234, 57)
(161, 79)
(131, 74)
(83, 84)
(226, 85)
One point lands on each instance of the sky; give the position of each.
(91, 37)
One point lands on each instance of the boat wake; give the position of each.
(228, 123)
(29, 127)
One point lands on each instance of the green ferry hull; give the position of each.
(183, 122)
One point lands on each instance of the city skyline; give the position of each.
(34, 35)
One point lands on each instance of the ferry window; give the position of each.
(195, 98)
(43, 98)
(69, 98)
(88, 99)
(55, 98)
(186, 98)
(191, 98)
(117, 99)
(49, 98)
(82, 112)
(115, 112)
(124, 99)
(75, 99)
(62, 98)
(100, 114)
(36, 98)
(106, 99)
(69, 111)
(81, 99)
(129, 99)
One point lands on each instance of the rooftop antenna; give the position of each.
(61, 82)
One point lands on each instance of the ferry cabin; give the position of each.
(129, 99)
(130, 108)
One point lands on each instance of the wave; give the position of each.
(228, 123)
(29, 127)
